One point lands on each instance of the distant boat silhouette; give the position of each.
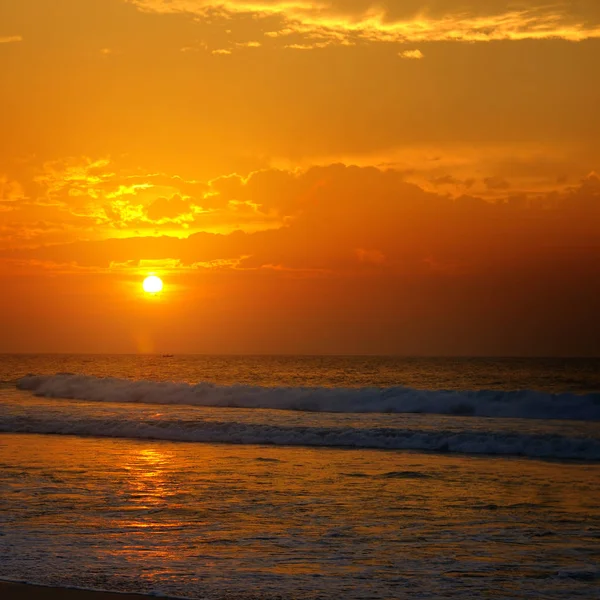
(167, 355)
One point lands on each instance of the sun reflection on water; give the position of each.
(173, 517)
(149, 482)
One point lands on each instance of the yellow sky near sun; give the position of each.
(340, 176)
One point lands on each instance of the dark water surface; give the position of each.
(578, 375)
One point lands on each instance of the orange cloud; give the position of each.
(171, 209)
(339, 215)
(456, 21)
(10, 39)
(524, 168)
(10, 193)
(363, 253)
(412, 54)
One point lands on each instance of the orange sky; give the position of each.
(343, 176)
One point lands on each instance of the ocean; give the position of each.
(264, 477)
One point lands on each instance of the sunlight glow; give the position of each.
(153, 284)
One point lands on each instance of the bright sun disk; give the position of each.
(153, 284)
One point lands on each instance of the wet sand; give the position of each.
(23, 591)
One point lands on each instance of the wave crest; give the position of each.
(467, 442)
(524, 404)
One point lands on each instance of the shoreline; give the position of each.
(12, 590)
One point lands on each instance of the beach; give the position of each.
(21, 591)
(268, 490)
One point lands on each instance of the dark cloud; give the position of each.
(496, 183)
(453, 181)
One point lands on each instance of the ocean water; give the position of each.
(302, 477)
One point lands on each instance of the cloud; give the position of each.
(96, 198)
(449, 180)
(99, 198)
(361, 253)
(10, 192)
(412, 54)
(349, 217)
(496, 183)
(453, 21)
(591, 183)
(312, 46)
(528, 168)
(171, 209)
(10, 39)
(80, 173)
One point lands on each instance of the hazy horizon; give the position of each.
(168, 354)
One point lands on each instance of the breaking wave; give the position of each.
(468, 442)
(524, 404)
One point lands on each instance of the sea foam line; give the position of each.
(525, 404)
(231, 432)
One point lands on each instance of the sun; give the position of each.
(153, 284)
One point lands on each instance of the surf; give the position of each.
(520, 404)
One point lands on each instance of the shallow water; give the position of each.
(222, 521)
(20, 412)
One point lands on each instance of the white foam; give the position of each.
(469, 442)
(525, 404)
